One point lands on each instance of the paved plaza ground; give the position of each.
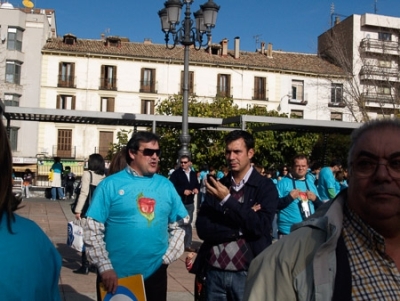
(53, 216)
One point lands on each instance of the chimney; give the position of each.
(269, 50)
(337, 20)
(262, 47)
(237, 47)
(103, 37)
(147, 41)
(224, 44)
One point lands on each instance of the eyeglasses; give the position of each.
(184, 162)
(149, 152)
(366, 167)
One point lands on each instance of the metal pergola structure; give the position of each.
(153, 121)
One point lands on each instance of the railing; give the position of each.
(260, 94)
(66, 81)
(379, 73)
(108, 84)
(297, 102)
(148, 86)
(369, 45)
(64, 151)
(380, 98)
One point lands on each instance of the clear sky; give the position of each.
(290, 25)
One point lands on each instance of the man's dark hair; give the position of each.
(237, 134)
(335, 163)
(185, 157)
(137, 138)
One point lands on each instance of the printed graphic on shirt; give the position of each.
(146, 207)
(303, 196)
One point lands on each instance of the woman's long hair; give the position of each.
(8, 201)
(96, 164)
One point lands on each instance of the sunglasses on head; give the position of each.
(150, 152)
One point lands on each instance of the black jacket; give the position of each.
(181, 183)
(217, 224)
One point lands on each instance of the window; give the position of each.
(260, 84)
(384, 63)
(13, 72)
(224, 85)
(66, 74)
(12, 100)
(14, 138)
(14, 39)
(191, 82)
(337, 116)
(64, 143)
(105, 141)
(108, 79)
(297, 114)
(65, 102)
(107, 104)
(383, 90)
(147, 82)
(384, 36)
(298, 90)
(337, 93)
(147, 107)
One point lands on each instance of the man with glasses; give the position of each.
(131, 222)
(350, 249)
(187, 186)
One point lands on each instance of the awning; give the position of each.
(22, 167)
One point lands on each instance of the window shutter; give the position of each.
(153, 80)
(72, 75)
(191, 81)
(110, 104)
(73, 101)
(102, 76)
(58, 104)
(219, 84)
(228, 86)
(152, 107)
(141, 80)
(182, 79)
(115, 77)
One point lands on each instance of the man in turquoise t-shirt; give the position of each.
(298, 196)
(132, 221)
(327, 182)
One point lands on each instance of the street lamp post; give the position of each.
(190, 33)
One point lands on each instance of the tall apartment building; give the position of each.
(23, 32)
(367, 47)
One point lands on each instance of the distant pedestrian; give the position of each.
(56, 187)
(327, 188)
(27, 183)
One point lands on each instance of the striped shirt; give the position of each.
(374, 274)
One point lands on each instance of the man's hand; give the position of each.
(295, 193)
(216, 189)
(311, 196)
(110, 281)
(195, 191)
(187, 192)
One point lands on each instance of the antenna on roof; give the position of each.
(257, 38)
(375, 7)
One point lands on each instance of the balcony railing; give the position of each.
(375, 98)
(297, 102)
(379, 73)
(108, 84)
(224, 91)
(148, 86)
(341, 104)
(378, 46)
(260, 94)
(66, 81)
(64, 151)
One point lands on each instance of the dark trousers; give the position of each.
(155, 286)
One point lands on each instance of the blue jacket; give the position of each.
(217, 224)
(181, 183)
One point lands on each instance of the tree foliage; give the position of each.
(273, 148)
(123, 137)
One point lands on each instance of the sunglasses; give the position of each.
(184, 162)
(149, 152)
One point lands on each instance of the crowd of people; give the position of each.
(335, 240)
